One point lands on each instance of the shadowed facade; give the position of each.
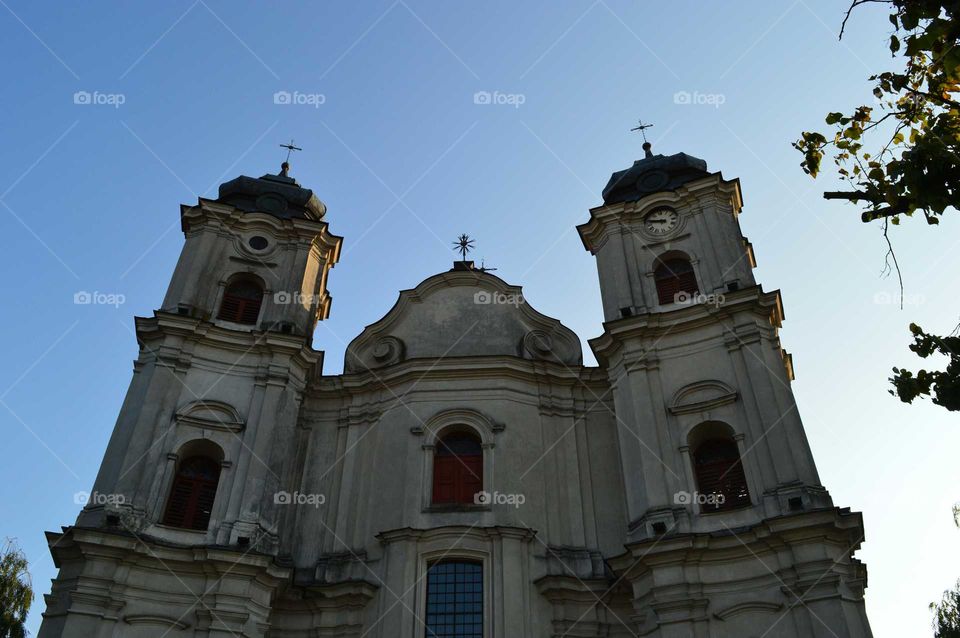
(466, 475)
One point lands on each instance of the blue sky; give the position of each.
(404, 158)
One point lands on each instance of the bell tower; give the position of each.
(222, 367)
(207, 432)
(709, 434)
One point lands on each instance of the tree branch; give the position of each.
(886, 259)
(854, 5)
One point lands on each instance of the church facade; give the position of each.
(466, 474)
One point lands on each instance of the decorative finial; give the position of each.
(643, 131)
(463, 244)
(285, 167)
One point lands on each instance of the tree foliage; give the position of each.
(946, 614)
(943, 386)
(16, 593)
(901, 155)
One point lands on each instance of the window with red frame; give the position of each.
(457, 469)
(192, 494)
(241, 302)
(673, 277)
(719, 472)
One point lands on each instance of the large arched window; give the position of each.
(241, 301)
(454, 599)
(673, 277)
(457, 469)
(192, 493)
(721, 482)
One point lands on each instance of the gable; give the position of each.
(462, 314)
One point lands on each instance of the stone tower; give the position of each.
(721, 490)
(220, 375)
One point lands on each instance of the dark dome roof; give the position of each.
(277, 195)
(653, 174)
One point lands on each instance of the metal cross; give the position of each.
(290, 148)
(464, 244)
(642, 128)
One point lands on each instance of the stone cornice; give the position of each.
(142, 549)
(184, 332)
(605, 220)
(455, 532)
(294, 228)
(844, 527)
(460, 368)
(655, 325)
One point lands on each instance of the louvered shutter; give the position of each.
(241, 303)
(672, 277)
(720, 471)
(192, 494)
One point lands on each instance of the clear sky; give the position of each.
(181, 98)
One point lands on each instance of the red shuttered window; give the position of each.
(457, 470)
(241, 302)
(192, 494)
(720, 473)
(673, 277)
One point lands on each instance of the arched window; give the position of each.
(192, 494)
(241, 302)
(457, 469)
(454, 599)
(672, 277)
(721, 483)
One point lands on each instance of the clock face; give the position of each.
(661, 221)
